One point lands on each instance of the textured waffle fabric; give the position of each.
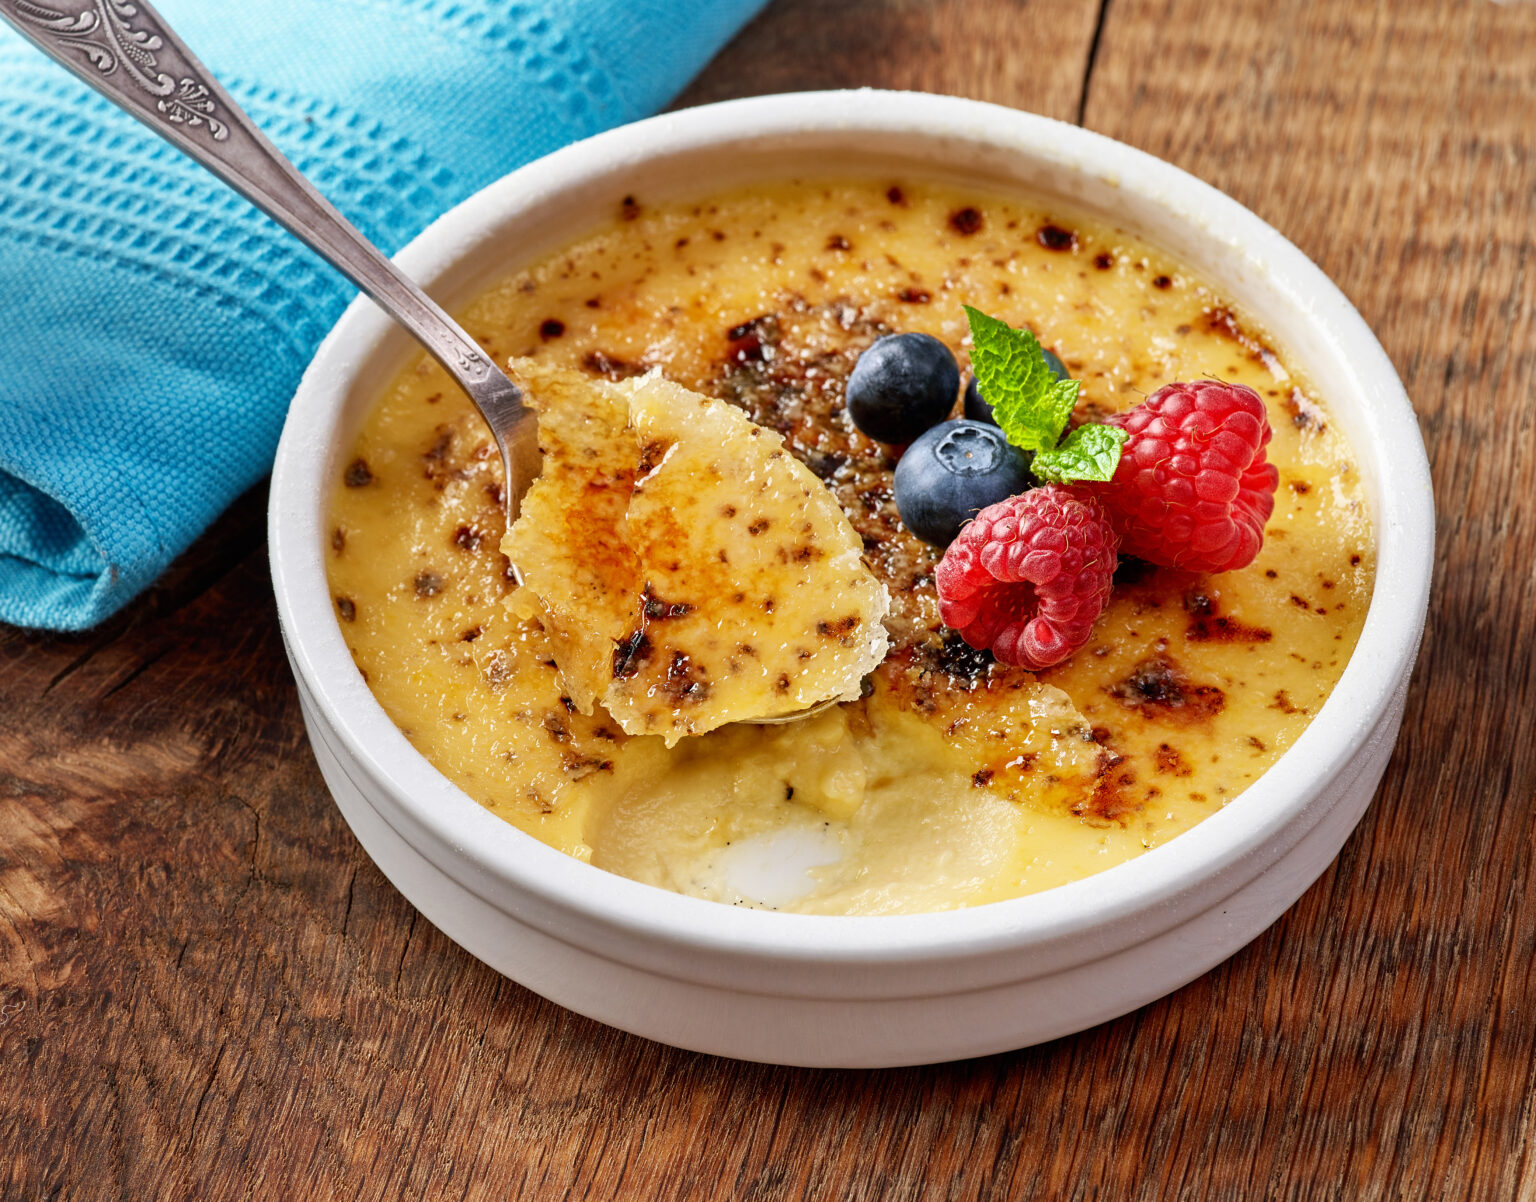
(153, 325)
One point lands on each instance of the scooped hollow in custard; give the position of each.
(689, 571)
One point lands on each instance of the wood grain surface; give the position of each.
(207, 990)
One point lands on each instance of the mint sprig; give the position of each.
(1032, 407)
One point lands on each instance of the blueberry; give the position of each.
(901, 386)
(978, 410)
(951, 473)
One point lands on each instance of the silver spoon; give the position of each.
(128, 53)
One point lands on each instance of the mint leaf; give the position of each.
(1032, 407)
(1089, 453)
(1029, 403)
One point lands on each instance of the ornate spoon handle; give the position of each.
(125, 50)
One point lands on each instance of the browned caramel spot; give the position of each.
(1285, 705)
(1111, 799)
(838, 242)
(551, 328)
(1226, 630)
(1209, 627)
(358, 474)
(750, 337)
(1103, 261)
(914, 296)
(630, 654)
(965, 221)
(1167, 760)
(838, 627)
(614, 368)
(338, 540)
(581, 767)
(1304, 414)
(467, 538)
(653, 608)
(470, 635)
(428, 584)
(629, 208)
(1053, 237)
(1223, 321)
(437, 453)
(685, 680)
(895, 195)
(758, 527)
(652, 453)
(1158, 687)
(347, 608)
(981, 777)
(1161, 281)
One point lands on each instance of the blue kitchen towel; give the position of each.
(153, 326)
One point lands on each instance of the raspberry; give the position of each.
(1028, 577)
(1193, 489)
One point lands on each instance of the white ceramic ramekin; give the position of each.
(858, 991)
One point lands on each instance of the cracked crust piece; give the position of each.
(711, 578)
(579, 576)
(758, 601)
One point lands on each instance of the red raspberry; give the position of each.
(1029, 575)
(1193, 489)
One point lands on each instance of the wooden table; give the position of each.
(208, 991)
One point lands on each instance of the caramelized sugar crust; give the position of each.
(1189, 689)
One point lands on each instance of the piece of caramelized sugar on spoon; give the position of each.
(580, 578)
(743, 595)
(757, 601)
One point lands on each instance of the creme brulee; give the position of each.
(955, 781)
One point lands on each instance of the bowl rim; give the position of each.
(489, 855)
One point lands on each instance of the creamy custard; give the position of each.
(956, 781)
